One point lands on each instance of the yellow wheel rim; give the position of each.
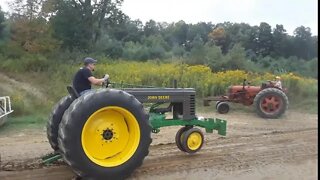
(110, 136)
(194, 141)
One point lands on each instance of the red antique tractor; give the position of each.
(269, 101)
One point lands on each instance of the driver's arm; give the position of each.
(272, 82)
(96, 81)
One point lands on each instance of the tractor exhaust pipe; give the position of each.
(175, 83)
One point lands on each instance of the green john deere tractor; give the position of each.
(106, 133)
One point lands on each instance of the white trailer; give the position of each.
(5, 109)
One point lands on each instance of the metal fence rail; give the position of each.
(5, 105)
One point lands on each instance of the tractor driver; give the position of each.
(83, 78)
(277, 83)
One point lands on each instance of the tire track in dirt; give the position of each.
(235, 154)
(223, 154)
(216, 141)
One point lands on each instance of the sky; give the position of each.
(290, 13)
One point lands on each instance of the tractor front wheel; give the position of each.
(179, 137)
(105, 135)
(271, 103)
(192, 140)
(217, 103)
(223, 107)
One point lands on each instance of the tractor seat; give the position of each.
(74, 94)
(162, 110)
(263, 85)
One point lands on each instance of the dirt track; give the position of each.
(254, 148)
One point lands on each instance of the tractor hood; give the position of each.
(237, 88)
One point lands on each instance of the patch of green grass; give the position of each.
(16, 124)
(309, 105)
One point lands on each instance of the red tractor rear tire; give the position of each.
(271, 103)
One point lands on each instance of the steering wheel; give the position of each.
(106, 83)
(246, 83)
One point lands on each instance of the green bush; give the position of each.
(29, 63)
(54, 80)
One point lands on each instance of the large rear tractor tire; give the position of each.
(55, 119)
(271, 103)
(105, 135)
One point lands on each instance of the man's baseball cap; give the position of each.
(89, 60)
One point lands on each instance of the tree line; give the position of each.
(58, 28)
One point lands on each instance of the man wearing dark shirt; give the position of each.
(83, 78)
